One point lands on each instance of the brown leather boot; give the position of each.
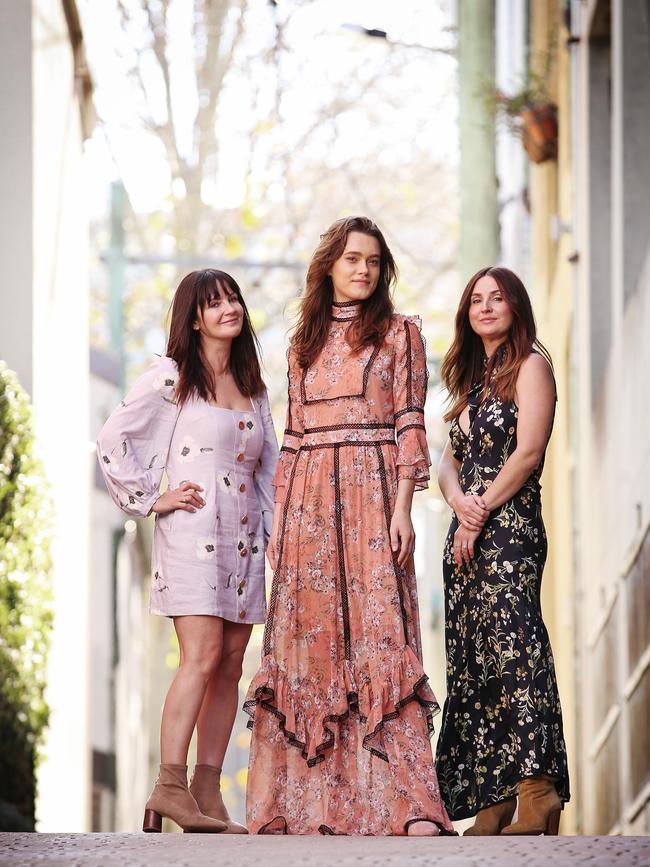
(171, 798)
(490, 820)
(539, 808)
(206, 788)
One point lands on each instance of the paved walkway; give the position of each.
(197, 850)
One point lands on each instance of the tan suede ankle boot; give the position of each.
(171, 799)
(490, 820)
(206, 788)
(539, 808)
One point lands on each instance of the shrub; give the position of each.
(25, 604)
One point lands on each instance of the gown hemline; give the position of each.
(265, 696)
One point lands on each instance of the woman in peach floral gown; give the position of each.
(341, 710)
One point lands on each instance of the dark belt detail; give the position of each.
(289, 449)
(341, 556)
(355, 443)
(396, 568)
(293, 433)
(359, 426)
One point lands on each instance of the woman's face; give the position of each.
(355, 273)
(222, 317)
(490, 315)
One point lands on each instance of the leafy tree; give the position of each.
(307, 120)
(25, 613)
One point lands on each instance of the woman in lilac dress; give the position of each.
(200, 413)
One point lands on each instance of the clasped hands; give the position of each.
(472, 514)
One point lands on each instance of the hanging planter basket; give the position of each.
(539, 131)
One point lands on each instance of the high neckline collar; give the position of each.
(496, 358)
(345, 309)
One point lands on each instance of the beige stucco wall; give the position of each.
(613, 498)
(596, 500)
(60, 364)
(551, 188)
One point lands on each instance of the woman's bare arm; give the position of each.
(469, 510)
(536, 401)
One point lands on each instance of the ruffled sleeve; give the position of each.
(409, 395)
(132, 446)
(265, 471)
(293, 432)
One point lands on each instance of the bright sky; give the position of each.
(335, 121)
(323, 52)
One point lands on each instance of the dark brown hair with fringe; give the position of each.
(194, 293)
(464, 363)
(313, 324)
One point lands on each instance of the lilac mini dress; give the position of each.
(210, 561)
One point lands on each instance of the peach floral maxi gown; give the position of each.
(341, 710)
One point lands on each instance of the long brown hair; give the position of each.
(194, 293)
(464, 363)
(313, 324)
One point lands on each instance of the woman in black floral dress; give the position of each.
(502, 726)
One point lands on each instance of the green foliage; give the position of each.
(532, 94)
(25, 609)
(533, 91)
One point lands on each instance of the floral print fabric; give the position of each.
(502, 719)
(210, 561)
(341, 708)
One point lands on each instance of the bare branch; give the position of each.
(211, 71)
(158, 32)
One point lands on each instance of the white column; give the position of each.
(16, 189)
(60, 374)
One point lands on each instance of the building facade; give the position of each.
(552, 276)
(44, 338)
(590, 276)
(611, 121)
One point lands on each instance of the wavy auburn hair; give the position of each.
(313, 324)
(194, 293)
(464, 363)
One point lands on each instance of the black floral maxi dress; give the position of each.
(502, 720)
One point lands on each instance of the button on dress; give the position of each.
(210, 561)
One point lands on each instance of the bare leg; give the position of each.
(221, 699)
(200, 638)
